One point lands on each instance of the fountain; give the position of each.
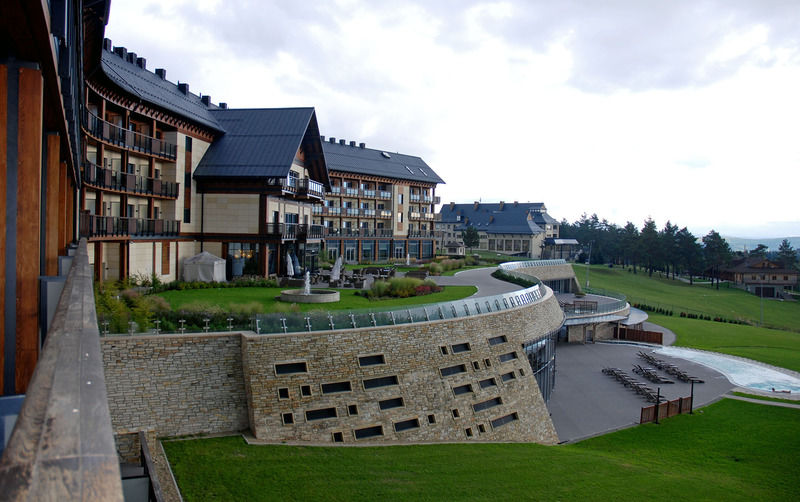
(309, 295)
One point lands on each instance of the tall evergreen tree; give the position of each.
(690, 252)
(651, 249)
(669, 247)
(630, 245)
(717, 252)
(787, 255)
(471, 237)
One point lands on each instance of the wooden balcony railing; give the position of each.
(62, 447)
(101, 177)
(117, 226)
(132, 140)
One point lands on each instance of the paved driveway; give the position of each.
(480, 277)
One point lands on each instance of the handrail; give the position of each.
(62, 447)
(102, 177)
(93, 225)
(132, 140)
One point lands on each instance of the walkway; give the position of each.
(480, 277)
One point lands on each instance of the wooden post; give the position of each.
(53, 170)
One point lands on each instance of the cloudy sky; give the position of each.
(680, 110)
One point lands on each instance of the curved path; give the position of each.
(480, 277)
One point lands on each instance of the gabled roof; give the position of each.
(358, 160)
(757, 265)
(156, 91)
(262, 143)
(497, 218)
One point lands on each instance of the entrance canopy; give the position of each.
(204, 267)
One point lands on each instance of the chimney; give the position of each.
(131, 57)
(322, 138)
(121, 52)
(452, 205)
(516, 203)
(353, 143)
(223, 106)
(475, 205)
(183, 87)
(206, 99)
(501, 205)
(342, 142)
(107, 45)
(332, 139)
(162, 73)
(362, 145)
(141, 63)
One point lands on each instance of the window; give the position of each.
(481, 428)
(488, 363)
(287, 418)
(497, 340)
(499, 422)
(468, 432)
(475, 365)
(330, 388)
(485, 405)
(283, 393)
(453, 370)
(431, 419)
(289, 368)
(352, 409)
(388, 404)
(461, 347)
(373, 383)
(443, 349)
(369, 432)
(489, 382)
(508, 357)
(455, 413)
(508, 376)
(371, 360)
(321, 414)
(305, 390)
(400, 198)
(405, 425)
(462, 389)
(338, 437)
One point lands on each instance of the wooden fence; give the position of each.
(666, 409)
(638, 335)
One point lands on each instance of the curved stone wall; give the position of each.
(448, 380)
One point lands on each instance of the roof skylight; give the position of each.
(422, 171)
(386, 155)
(409, 170)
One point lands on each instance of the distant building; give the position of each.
(761, 276)
(380, 205)
(517, 228)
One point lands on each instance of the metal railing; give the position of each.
(117, 226)
(132, 140)
(358, 232)
(101, 177)
(423, 234)
(65, 422)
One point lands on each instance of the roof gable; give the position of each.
(498, 218)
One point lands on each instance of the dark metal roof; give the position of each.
(357, 160)
(490, 218)
(263, 142)
(156, 91)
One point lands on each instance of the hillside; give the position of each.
(742, 244)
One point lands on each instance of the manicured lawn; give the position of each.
(765, 398)
(679, 296)
(230, 298)
(731, 450)
(771, 346)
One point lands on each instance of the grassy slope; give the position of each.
(679, 296)
(772, 346)
(730, 450)
(226, 297)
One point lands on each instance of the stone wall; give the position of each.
(463, 379)
(175, 385)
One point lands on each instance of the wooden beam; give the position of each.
(3, 202)
(52, 224)
(29, 174)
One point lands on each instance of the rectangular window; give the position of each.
(283, 393)
(305, 390)
(431, 419)
(188, 144)
(468, 432)
(476, 365)
(508, 357)
(499, 422)
(288, 418)
(485, 405)
(508, 376)
(488, 363)
(374, 383)
(330, 388)
(482, 428)
(443, 349)
(388, 404)
(489, 382)
(369, 432)
(352, 409)
(461, 347)
(462, 389)
(406, 425)
(455, 413)
(338, 437)
(321, 414)
(289, 368)
(453, 370)
(371, 360)
(497, 340)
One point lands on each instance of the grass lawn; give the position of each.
(679, 296)
(731, 450)
(771, 346)
(765, 398)
(230, 298)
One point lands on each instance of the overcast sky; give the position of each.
(679, 110)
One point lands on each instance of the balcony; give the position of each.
(437, 199)
(384, 195)
(350, 192)
(359, 232)
(415, 197)
(336, 190)
(415, 215)
(93, 227)
(310, 188)
(383, 213)
(131, 140)
(101, 177)
(424, 234)
(368, 193)
(352, 211)
(294, 231)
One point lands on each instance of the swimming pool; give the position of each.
(739, 372)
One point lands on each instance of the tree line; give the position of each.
(670, 250)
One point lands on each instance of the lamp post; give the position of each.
(588, 260)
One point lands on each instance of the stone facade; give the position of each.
(463, 379)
